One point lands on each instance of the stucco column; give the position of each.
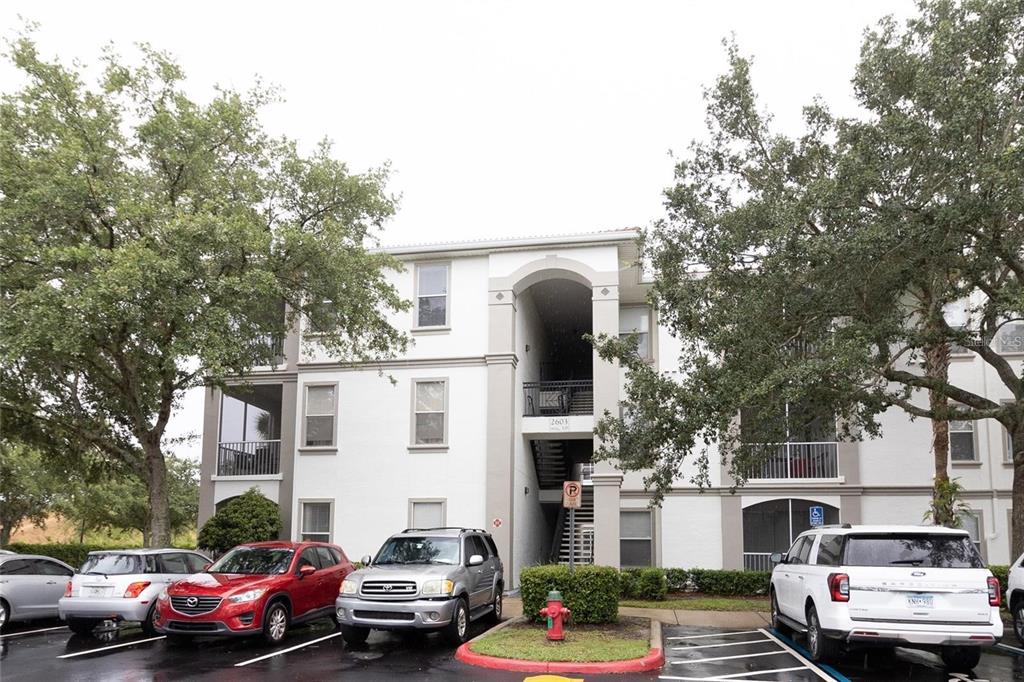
(607, 479)
(732, 532)
(501, 420)
(289, 418)
(208, 461)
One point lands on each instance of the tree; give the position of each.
(26, 491)
(150, 243)
(250, 517)
(819, 272)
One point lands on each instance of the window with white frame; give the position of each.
(432, 295)
(958, 316)
(636, 537)
(321, 403)
(1007, 445)
(430, 418)
(1010, 338)
(426, 513)
(637, 320)
(316, 521)
(970, 521)
(961, 441)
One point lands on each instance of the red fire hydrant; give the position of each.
(555, 613)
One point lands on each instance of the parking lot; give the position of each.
(45, 650)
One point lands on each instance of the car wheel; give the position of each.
(354, 635)
(82, 626)
(458, 630)
(3, 614)
(494, 616)
(777, 623)
(821, 647)
(147, 623)
(275, 623)
(1018, 621)
(961, 659)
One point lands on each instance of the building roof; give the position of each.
(625, 234)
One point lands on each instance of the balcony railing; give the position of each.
(757, 561)
(558, 398)
(249, 458)
(799, 460)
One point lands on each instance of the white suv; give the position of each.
(923, 587)
(1015, 596)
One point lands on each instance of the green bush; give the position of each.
(1003, 573)
(651, 584)
(732, 583)
(590, 592)
(72, 554)
(678, 579)
(250, 517)
(629, 580)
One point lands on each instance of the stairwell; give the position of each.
(549, 462)
(582, 402)
(582, 540)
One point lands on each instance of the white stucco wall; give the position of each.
(691, 531)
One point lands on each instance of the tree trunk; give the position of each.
(159, 507)
(5, 535)
(936, 364)
(1017, 513)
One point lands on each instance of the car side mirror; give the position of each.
(366, 560)
(306, 570)
(778, 558)
(476, 560)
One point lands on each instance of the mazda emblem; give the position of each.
(192, 601)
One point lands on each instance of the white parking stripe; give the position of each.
(736, 676)
(717, 634)
(810, 664)
(114, 646)
(284, 651)
(710, 646)
(32, 632)
(1010, 648)
(729, 658)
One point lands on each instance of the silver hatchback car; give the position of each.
(30, 586)
(122, 585)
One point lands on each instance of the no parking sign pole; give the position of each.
(571, 494)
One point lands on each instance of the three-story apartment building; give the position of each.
(494, 406)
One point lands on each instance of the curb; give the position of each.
(654, 659)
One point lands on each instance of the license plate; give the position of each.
(95, 591)
(921, 601)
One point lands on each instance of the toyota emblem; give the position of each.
(191, 601)
(387, 588)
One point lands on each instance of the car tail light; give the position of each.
(995, 595)
(839, 586)
(67, 589)
(135, 589)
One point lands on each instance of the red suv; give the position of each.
(260, 588)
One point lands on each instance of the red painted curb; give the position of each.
(654, 659)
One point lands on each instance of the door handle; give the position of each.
(51, 582)
(801, 577)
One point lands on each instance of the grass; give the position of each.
(629, 638)
(701, 603)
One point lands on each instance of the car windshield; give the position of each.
(912, 549)
(112, 564)
(409, 550)
(254, 561)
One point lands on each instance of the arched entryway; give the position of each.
(771, 526)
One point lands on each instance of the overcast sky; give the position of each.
(498, 118)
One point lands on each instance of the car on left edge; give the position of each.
(31, 586)
(262, 588)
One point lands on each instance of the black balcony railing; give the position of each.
(554, 398)
(799, 460)
(249, 458)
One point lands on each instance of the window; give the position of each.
(961, 441)
(432, 295)
(316, 521)
(970, 521)
(327, 558)
(1011, 338)
(490, 545)
(320, 407)
(1007, 445)
(771, 526)
(474, 545)
(250, 414)
(828, 550)
(173, 563)
(637, 321)
(430, 419)
(636, 538)
(196, 563)
(426, 513)
(309, 558)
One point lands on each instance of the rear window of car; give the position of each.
(117, 564)
(933, 550)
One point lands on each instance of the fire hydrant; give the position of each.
(555, 613)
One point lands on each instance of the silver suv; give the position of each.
(424, 579)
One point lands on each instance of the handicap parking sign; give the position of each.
(817, 516)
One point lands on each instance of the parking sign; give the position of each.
(817, 516)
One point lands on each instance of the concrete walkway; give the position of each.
(513, 606)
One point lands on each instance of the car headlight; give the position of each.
(248, 595)
(163, 595)
(348, 587)
(437, 587)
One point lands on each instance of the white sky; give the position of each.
(499, 118)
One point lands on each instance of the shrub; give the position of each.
(1003, 573)
(72, 554)
(651, 584)
(250, 517)
(629, 580)
(590, 592)
(733, 583)
(678, 579)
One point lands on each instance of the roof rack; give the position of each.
(458, 528)
(836, 525)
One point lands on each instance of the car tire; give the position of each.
(1018, 620)
(457, 631)
(275, 623)
(961, 659)
(82, 626)
(821, 647)
(354, 635)
(147, 623)
(776, 621)
(5, 613)
(494, 617)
